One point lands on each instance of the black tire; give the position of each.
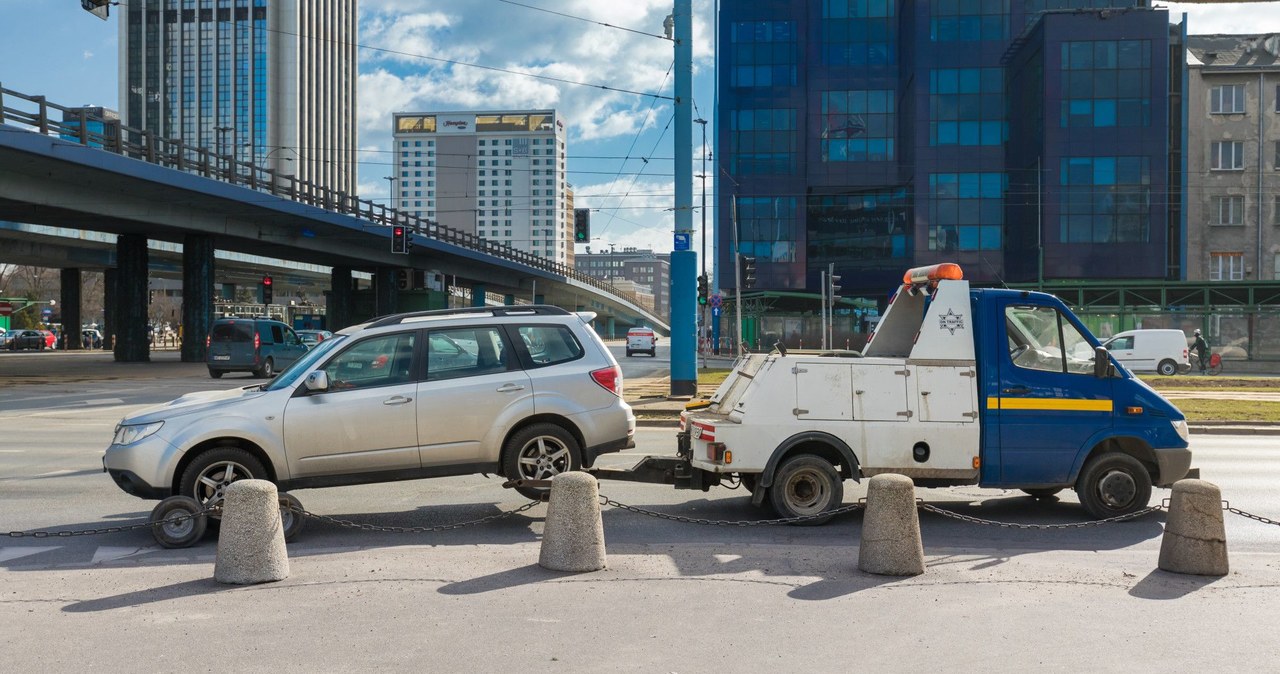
(178, 531)
(291, 517)
(1113, 484)
(806, 485)
(212, 464)
(216, 374)
(628, 353)
(1167, 368)
(267, 370)
(1043, 492)
(540, 452)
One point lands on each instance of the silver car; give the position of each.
(525, 392)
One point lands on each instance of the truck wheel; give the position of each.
(178, 524)
(207, 477)
(1042, 492)
(540, 452)
(1113, 484)
(1167, 368)
(806, 485)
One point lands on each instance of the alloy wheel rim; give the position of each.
(212, 483)
(542, 458)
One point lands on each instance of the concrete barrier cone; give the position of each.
(1195, 538)
(890, 543)
(573, 539)
(251, 540)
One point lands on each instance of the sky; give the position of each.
(620, 145)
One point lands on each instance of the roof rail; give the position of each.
(521, 310)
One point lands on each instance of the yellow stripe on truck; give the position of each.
(1056, 404)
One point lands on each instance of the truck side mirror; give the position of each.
(317, 381)
(1101, 363)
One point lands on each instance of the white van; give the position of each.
(1162, 351)
(642, 340)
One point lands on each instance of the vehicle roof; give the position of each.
(1149, 330)
(472, 315)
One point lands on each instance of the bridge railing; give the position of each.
(82, 126)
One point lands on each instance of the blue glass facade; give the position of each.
(880, 135)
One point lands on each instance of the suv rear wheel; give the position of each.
(540, 452)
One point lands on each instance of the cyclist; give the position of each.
(1201, 348)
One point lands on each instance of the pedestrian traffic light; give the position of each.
(266, 290)
(747, 267)
(582, 225)
(400, 242)
(704, 291)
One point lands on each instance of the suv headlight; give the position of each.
(1181, 428)
(127, 435)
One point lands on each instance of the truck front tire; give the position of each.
(806, 485)
(1113, 484)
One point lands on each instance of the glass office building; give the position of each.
(878, 135)
(267, 81)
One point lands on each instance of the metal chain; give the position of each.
(412, 530)
(1265, 520)
(604, 500)
(172, 519)
(1011, 525)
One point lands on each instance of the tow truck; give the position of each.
(956, 386)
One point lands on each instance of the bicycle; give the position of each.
(1213, 367)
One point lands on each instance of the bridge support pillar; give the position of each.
(197, 295)
(539, 299)
(509, 299)
(109, 295)
(384, 291)
(70, 302)
(338, 305)
(131, 303)
(610, 326)
(477, 295)
(229, 292)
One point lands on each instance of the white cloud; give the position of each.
(87, 54)
(1227, 18)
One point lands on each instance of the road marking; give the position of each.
(105, 401)
(53, 473)
(107, 553)
(12, 451)
(9, 554)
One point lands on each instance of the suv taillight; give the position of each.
(207, 340)
(257, 341)
(610, 378)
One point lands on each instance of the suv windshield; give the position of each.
(290, 374)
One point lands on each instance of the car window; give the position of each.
(1121, 343)
(231, 332)
(377, 361)
(277, 335)
(550, 344)
(1040, 338)
(291, 337)
(465, 352)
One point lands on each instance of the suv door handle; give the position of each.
(397, 400)
(510, 388)
(1015, 390)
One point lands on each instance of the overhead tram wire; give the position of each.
(636, 176)
(583, 18)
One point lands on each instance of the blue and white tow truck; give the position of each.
(957, 386)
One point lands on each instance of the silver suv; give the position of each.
(525, 392)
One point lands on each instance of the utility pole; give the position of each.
(684, 370)
(702, 322)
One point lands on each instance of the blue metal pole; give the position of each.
(684, 263)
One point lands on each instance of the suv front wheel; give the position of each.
(540, 452)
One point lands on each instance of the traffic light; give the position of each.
(582, 225)
(266, 290)
(747, 267)
(704, 291)
(400, 242)
(833, 287)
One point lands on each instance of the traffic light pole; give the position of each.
(684, 366)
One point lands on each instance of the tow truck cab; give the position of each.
(956, 386)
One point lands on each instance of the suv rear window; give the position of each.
(232, 332)
(550, 344)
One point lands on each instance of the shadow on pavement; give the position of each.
(1162, 585)
(190, 588)
(524, 575)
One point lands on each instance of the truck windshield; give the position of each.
(290, 374)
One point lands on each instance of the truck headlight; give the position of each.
(127, 435)
(1181, 428)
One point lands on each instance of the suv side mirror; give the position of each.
(317, 381)
(1102, 368)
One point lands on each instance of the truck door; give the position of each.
(1047, 403)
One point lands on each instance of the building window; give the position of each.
(1226, 155)
(1106, 83)
(764, 54)
(859, 32)
(966, 106)
(1227, 99)
(1105, 199)
(767, 228)
(762, 141)
(1227, 210)
(857, 126)
(966, 211)
(859, 230)
(959, 21)
(1226, 266)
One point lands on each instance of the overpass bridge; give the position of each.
(83, 174)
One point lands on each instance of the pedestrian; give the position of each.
(1201, 348)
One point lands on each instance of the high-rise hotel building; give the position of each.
(269, 81)
(499, 175)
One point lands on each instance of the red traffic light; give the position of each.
(398, 231)
(266, 280)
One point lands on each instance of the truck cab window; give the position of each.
(1039, 338)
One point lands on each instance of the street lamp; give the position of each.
(391, 194)
(222, 130)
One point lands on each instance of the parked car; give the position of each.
(258, 345)
(408, 396)
(90, 339)
(313, 337)
(642, 340)
(27, 339)
(1162, 351)
(50, 339)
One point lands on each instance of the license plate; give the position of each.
(222, 357)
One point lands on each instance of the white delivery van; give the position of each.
(1162, 351)
(642, 340)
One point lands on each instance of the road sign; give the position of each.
(715, 312)
(684, 241)
(47, 311)
(717, 300)
(6, 309)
